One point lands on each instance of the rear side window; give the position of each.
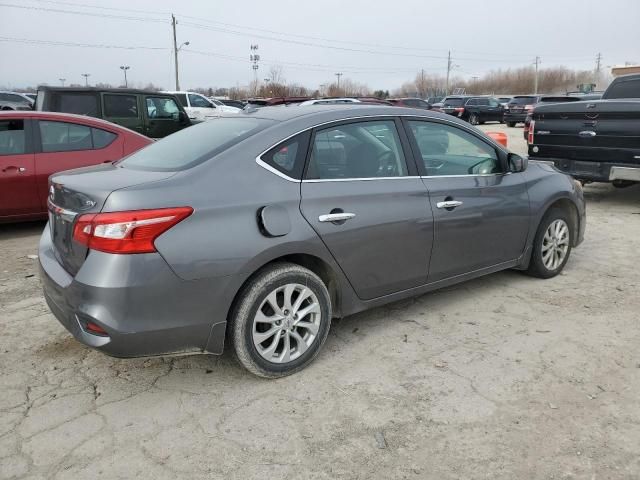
(64, 137)
(79, 103)
(624, 89)
(120, 106)
(102, 138)
(289, 156)
(194, 145)
(12, 139)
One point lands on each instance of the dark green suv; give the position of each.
(153, 114)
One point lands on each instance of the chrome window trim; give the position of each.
(363, 179)
(469, 175)
(277, 172)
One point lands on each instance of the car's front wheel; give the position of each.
(280, 320)
(552, 244)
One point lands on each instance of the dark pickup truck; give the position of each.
(593, 141)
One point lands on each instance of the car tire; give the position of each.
(474, 119)
(292, 347)
(511, 124)
(551, 245)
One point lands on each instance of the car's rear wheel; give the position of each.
(552, 244)
(474, 119)
(511, 124)
(280, 321)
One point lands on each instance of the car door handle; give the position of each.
(449, 204)
(13, 167)
(336, 217)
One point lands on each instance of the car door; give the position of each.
(162, 116)
(66, 145)
(481, 211)
(483, 109)
(17, 177)
(201, 108)
(365, 201)
(123, 109)
(494, 110)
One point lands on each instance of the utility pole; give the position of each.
(62, 80)
(598, 65)
(446, 91)
(535, 82)
(86, 78)
(124, 68)
(175, 49)
(339, 75)
(475, 79)
(255, 58)
(423, 90)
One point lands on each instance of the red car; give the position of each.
(34, 145)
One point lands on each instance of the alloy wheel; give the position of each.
(555, 244)
(286, 324)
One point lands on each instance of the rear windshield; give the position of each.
(194, 145)
(523, 100)
(559, 99)
(453, 102)
(624, 89)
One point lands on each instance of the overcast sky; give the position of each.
(377, 42)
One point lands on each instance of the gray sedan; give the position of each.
(257, 230)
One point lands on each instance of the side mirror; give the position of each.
(517, 163)
(182, 117)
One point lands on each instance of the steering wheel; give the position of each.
(483, 167)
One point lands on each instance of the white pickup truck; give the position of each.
(199, 108)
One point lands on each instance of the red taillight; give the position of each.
(532, 125)
(458, 109)
(95, 329)
(126, 232)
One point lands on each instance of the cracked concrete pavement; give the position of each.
(503, 377)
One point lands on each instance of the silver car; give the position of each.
(257, 230)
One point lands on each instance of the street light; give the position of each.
(86, 78)
(184, 44)
(124, 68)
(62, 80)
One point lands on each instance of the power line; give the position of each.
(289, 34)
(87, 14)
(30, 41)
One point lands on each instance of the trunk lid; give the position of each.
(85, 190)
(601, 130)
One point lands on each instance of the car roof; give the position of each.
(330, 113)
(97, 90)
(71, 117)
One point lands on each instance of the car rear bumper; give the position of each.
(595, 171)
(514, 117)
(137, 299)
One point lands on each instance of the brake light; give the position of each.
(127, 232)
(532, 125)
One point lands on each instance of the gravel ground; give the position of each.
(506, 377)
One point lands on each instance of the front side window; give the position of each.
(64, 137)
(120, 106)
(493, 102)
(357, 150)
(162, 108)
(12, 139)
(447, 150)
(199, 102)
(453, 102)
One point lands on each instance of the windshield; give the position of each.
(624, 89)
(523, 100)
(194, 145)
(453, 102)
